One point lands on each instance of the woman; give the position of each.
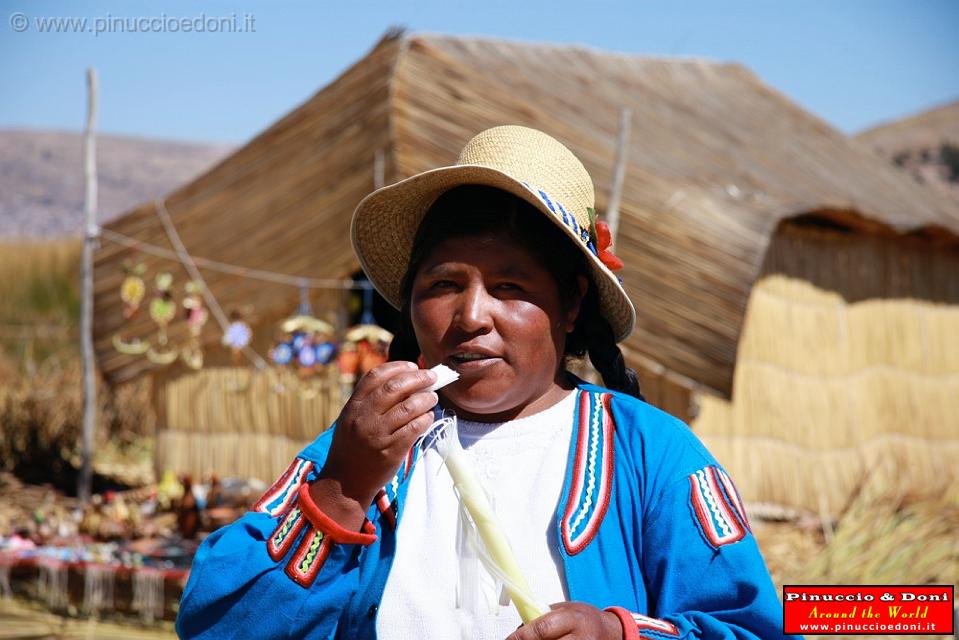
(615, 511)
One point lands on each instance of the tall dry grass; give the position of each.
(39, 304)
(41, 403)
(887, 535)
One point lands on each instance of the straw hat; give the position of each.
(522, 161)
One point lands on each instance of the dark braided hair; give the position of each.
(471, 210)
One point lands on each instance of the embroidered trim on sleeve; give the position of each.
(309, 558)
(286, 533)
(592, 480)
(733, 493)
(280, 496)
(386, 508)
(714, 510)
(635, 623)
(408, 462)
(322, 532)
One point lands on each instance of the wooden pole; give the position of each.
(619, 173)
(90, 235)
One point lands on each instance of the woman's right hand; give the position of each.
(390, 408)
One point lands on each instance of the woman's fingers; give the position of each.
(377, 376)
(409, 432)
(412, 408)
(390, 407)
(550, 626)
(571, 621)
(386, 386)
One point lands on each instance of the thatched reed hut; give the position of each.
(797, 297)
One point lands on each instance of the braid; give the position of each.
(594, 336)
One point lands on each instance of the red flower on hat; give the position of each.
(604, 240)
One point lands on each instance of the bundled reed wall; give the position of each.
(237, 422)
(836, 389)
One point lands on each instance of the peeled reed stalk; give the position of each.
(473, 498)
(444, 376)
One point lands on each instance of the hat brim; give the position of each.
(385, 223)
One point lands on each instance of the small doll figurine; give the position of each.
(196, 317)
(196, 313)
(163, 306)
(282, 352)
(305, 355)
(325, 348)
(237, 336)
(162, 312)
(132, 289)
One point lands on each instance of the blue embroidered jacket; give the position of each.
(650, 526)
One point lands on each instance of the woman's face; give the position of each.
(483, 306)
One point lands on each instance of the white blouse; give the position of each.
(437, 587)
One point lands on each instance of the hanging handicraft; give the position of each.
(162, 312)
(132, 290)
(196, 317)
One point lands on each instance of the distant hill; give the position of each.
(41, 177)
(926, 145)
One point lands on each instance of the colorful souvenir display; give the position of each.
(304, 340)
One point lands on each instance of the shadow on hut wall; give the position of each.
(861, 259)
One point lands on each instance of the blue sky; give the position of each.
(855, 63)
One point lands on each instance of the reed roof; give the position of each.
(716, 160)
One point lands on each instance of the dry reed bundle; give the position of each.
(829, 393)
(888, 535)
(884, 536)
(41, 417)
(260, 456)
(821, 481)
(40, 384)
(239, 422)
(41, 420)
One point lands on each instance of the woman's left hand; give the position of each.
(572, 621)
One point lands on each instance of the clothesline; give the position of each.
(192, 264)
(243, 272)
(188, 263)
